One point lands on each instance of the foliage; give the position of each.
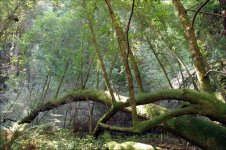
(46, 50)
(37, 138)
(46, 137)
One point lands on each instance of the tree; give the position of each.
(125, 52)
(193, 47)
(72, 44)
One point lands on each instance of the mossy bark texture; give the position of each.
(205, 134)
(193, 47)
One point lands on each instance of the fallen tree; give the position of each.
(203, 133)
(187, 127)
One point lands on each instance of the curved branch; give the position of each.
(208, 13)
(197, 11)
(209, 105)
(220, 72)
(183, 126)
(148, 124)
(104, 119)
(141, 127)
(116, 128)
(77, 96)
(127, 28)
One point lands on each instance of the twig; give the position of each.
(127, 29)
(197, 11)
(223, 73)
(12, 104)
(208, 13)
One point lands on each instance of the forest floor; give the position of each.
(170, 143)
(164, 141)
(46, 137)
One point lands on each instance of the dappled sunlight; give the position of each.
(129, 74)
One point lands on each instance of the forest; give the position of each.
(112, 74)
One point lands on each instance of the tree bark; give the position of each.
(179, 60)
(202, 133)
(123, 50)
(207, 104)
(96, 47)
(160, 63)
(122, 40)
(62, 78)
(193, 47)
(88, 72)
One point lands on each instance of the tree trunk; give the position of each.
(123, 50)
(112, 67)
(96, 47)
(88, 72)
(160, 63)
(193, 47)
(179, 60)
(62, 78)
(202, 133)
(123, 45)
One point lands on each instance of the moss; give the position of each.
(201, 132)
(152, 110)
(188, 95)
(208, 103)
(130, 146)
(61, 139)
(107, 137)
(75, 96)
(143, 126)
(203, 99)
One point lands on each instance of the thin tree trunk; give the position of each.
(88, 73)
(96, 47)
(130, 53)
(81, 67)
(123, 49)
(62, 79)
(113, 64)
(136, 73)
(65, 117)
(77, 79)
(12, 104)
(44, 86)
(193, 47)
(181, 72)
(189, 74)
(160, 63)
(169, 45)
(133, 62)
(47, 88)
(219, 87)
(97, 85)
(112, 67)
(90, 106)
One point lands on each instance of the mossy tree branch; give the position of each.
(141, 127)
(116, 128)
(103, 120)
(204, 102)
(208, 104)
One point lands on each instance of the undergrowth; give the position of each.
(46, 137)
(49, 137)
